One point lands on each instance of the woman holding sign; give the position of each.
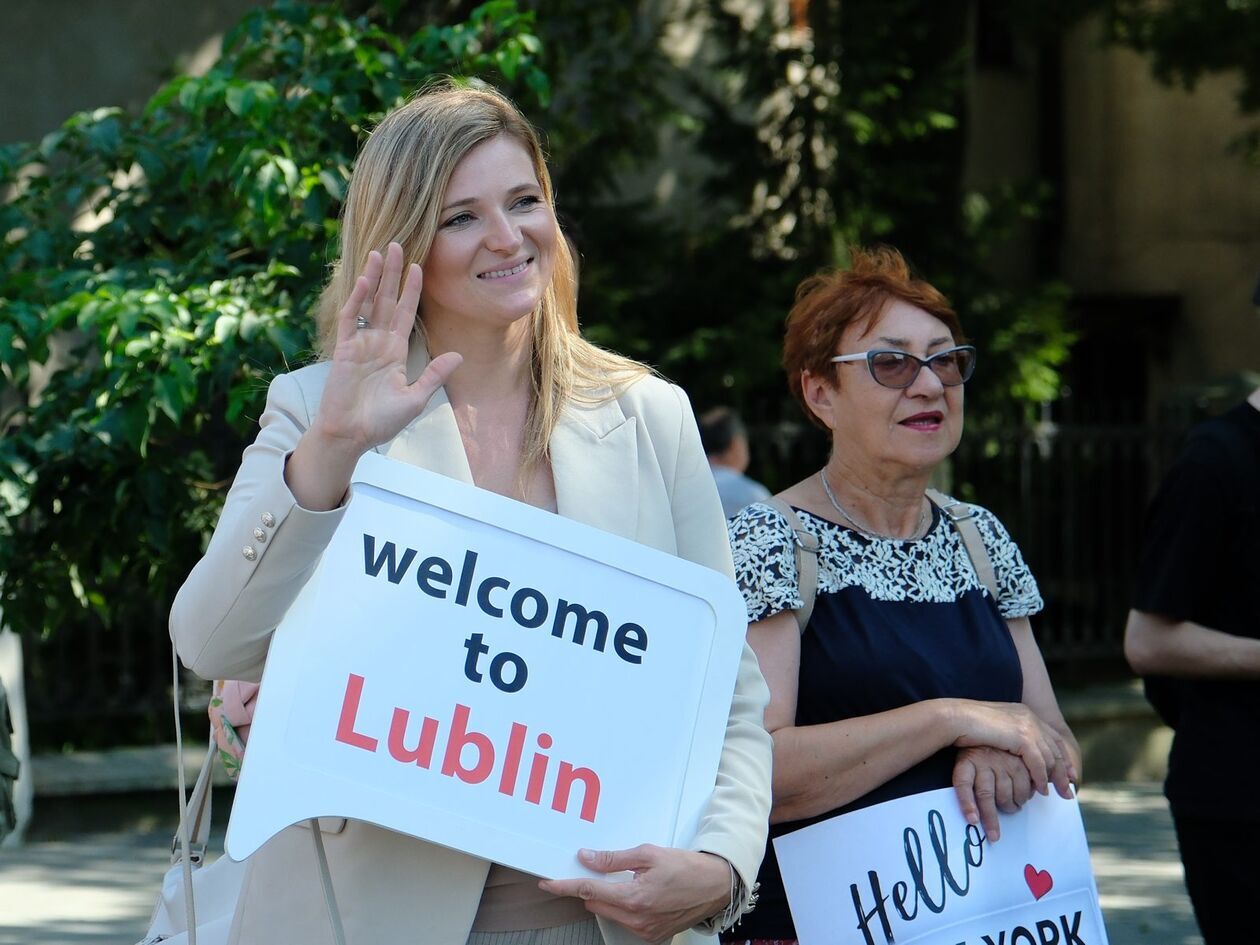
(450, 337)
(910, 675)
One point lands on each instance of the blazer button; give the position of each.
(260, 536)
(269, 520)
(249, 553)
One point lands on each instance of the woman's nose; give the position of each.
(927, 383)
(502, 235)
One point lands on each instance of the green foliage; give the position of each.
(852, 131)
(157, 269)
(1188, 39)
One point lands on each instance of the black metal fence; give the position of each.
(1074, 498)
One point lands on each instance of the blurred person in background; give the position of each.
(1194, 633)
(726, 445)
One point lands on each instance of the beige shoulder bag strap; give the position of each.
(806, 561)
(963, 517)
(192, 836)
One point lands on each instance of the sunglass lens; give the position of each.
(893, 369)
(954, 367)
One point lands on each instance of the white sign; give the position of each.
(914, 872)
(498, 679)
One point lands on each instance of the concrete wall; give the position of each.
(1155, 203)
(58, 57)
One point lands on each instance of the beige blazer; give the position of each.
(632, 466)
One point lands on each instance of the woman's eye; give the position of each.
(531, 200)
(458, 220)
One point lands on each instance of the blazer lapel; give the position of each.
(594, 456)
(595, 463)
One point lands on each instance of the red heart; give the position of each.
(1039, 882)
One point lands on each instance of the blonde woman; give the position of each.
(450, 341)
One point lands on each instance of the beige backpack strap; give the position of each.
(806, 561)
(963, 517)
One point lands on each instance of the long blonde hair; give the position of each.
(396, 194)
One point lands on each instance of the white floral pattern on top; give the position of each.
(935, 568)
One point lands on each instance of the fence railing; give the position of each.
(1074, 498)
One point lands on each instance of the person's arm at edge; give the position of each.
(1156, 645)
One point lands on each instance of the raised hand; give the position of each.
(367, 399)
(672, 889)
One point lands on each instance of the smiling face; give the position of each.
(491, 259)
(914, 428)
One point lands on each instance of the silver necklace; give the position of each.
(831, 497)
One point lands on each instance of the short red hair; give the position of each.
(828, 302)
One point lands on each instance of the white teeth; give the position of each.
(500, 273)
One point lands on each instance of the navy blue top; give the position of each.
(894, 622)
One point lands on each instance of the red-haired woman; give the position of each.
(909, 676)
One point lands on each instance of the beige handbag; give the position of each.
(198, 901)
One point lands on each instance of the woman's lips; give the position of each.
(512, 270)
(924, 421)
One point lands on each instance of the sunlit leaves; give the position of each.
(156, 270)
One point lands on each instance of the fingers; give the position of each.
(435, 375)
(363, 289)
(964, 787)
(986, 802)
(601, 861)
(615, 861)
(375, 295)
(591, 891)
(1033, 754)
(1064, 772)
(1021, 785)
(409, 302)
(384, 305)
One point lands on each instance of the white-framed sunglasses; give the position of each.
(900, 369)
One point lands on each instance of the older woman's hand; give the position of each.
(1015, 728)
(671, 891)
(989, 780)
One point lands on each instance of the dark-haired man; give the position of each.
(726, 445)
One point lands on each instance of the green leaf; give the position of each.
(240, 100)
(225, 327)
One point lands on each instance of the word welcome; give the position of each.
(529, 608)
(421, 753)
(908, 896)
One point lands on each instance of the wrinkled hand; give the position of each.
(671, 891)
(367, 399)
(1013, 727)
(989, 780)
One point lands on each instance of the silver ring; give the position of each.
(360, 321)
